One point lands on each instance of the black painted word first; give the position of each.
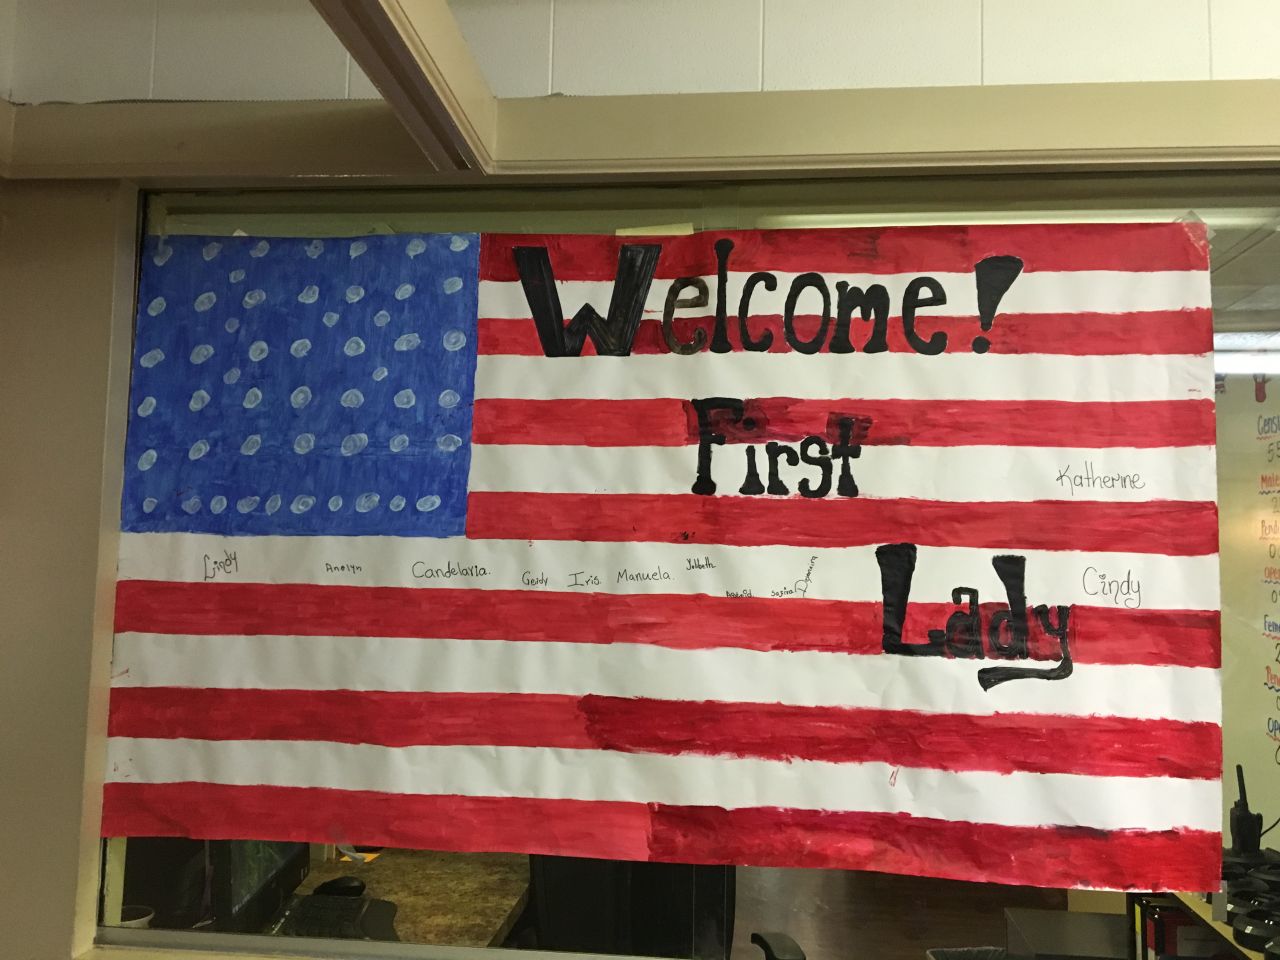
(812, 450)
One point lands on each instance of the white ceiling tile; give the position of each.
(82, 52)
(1246, 39)
(359, 86)
(658, 46)
(510, 41)
(246, 50)
(1094, 41)
(850, 44)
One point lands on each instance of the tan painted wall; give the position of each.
(66, 256)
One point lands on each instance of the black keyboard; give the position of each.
(345, 918)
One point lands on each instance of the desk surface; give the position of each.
(1065, 933)
(1205, 913)
(457, 899)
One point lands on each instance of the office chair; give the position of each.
(646, 909)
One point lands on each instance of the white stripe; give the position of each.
(823, 376)
(1053, 576)
(970, 474)
(1013, 799)
(803, 678)
(1082, 291)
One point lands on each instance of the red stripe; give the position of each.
(207, 811)
(898, 843)
(921, 423)
(1077, 334)
(1174, 528)
(1004, 743)
(1105, 635)
(946, 249)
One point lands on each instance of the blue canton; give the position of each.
(303, 386)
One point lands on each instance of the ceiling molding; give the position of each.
(416, 56)
(1067, 126)
(661, 138)
(208, 144)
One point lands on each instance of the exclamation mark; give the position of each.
(994, 276)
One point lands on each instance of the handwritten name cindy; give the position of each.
(224, 566)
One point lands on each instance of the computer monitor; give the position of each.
(251, 880)
(236, 885)
(171, 876)
(617, 907)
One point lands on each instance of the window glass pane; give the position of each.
(519, 901)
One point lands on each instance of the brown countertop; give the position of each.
(462, 899)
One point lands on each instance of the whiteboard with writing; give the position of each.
(1249, 501)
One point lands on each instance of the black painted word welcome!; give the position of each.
(614, 334)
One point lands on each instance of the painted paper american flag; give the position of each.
(875, 549)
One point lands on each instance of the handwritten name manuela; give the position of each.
(627, 575)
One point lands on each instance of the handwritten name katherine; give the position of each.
(1086, 479)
